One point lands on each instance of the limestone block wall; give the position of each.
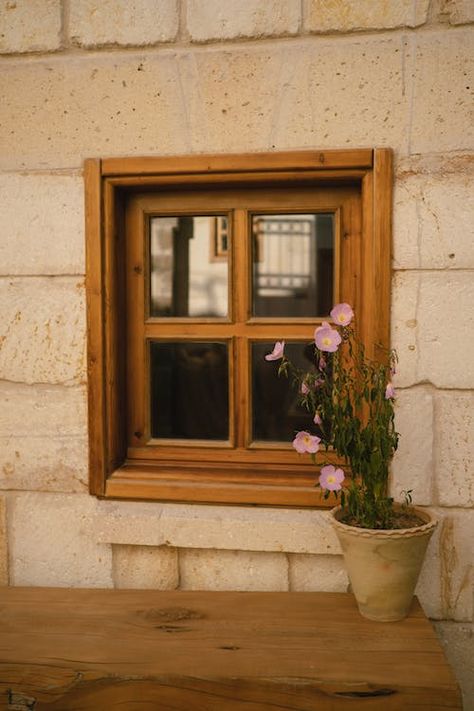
(82, 78)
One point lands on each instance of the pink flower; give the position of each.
(277, 351)
(390, 392)
(317, 419)
(342, 314)
(331, 478)
(327, 338)
(304, 388)
(322, 363)
(305, 442)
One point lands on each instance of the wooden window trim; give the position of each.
(106, 182)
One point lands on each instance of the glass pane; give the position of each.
(276, 414)
(188, 266)
(293, 265)
(189, 390)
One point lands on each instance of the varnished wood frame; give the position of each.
(106, 182)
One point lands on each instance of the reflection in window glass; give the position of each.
(188, 266)
(276, 414)
(293, 265)
(189, 390)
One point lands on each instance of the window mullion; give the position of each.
(240, 314)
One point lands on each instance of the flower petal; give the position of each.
(342, 314)
(277, 352)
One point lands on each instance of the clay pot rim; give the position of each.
(421, 530)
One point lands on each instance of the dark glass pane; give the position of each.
(293, 265)
(189, 390)
(276, 414)
(188, 266)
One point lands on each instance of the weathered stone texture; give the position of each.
(30, 25)
(454, 448)
(51, 542)
(458, 642)
(413, 465)
(443, 92)
(144, 567)
(91, 106)
(446, 585)
(302, 94)
(42, 410)
(433, 216)
(124, 22)
(347, 15)
(324, 573)
(41, 224)
(43, 438)
(42, 330)
(226, 19)
(43, 463)
(216, 527)
(232, 570)
(460, 12)
(427, 309)
(3, 543)
(299, 94)
(404, 338)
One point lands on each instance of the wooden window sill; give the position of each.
(215, 486)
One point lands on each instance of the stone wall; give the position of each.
(83, 78)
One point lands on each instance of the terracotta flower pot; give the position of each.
(384, 565)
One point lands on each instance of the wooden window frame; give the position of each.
(107, 184)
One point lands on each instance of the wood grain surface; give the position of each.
(96, 650)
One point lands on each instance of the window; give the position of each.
(195, 267)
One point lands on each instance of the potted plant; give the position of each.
(350, 402)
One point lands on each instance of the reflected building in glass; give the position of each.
(187, 276)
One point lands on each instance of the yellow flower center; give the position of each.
(331, 479)
(327, 341)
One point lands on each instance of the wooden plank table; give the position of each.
(99, 650)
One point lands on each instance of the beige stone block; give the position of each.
(433, 219)
(275, 95)
(123, 22)
(226, 19)
(347, 15)
(43, 437)
(41, 224)
(445, 309)
(298, 94)
(143, 567)
(458, 643)
(44, 410)
(442, 92)
(30, 25)
(413, 464)
(91, 105)
(454, 448)
(217, 527)
(460, 12)
(51, 542)
(232, 570)
(432, 326)
(325, 573)
(48, 463)
(446, 584)
(404, 336)
(42, 330)
(3, 542)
